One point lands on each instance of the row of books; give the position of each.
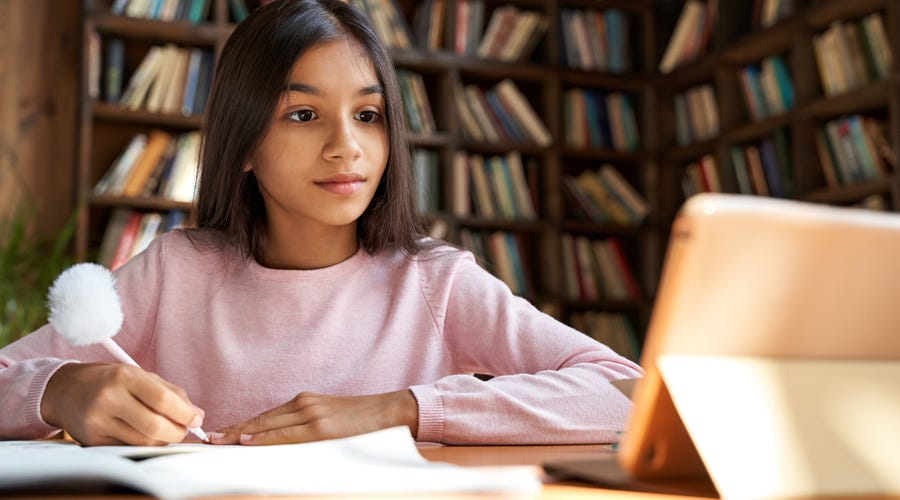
(767, 88)
(158, 165)
(499, 114)
(388, 21)
(503, 253)
(495, 187)
(605, 196)
(600, 120)
(613, 330)
(415, 102)
(596, 40)
(853, 149)
(691, 36)
(696, 114)
(511, 34)
(850, 54)
(763, 168)
(701, 176)
(597, 269)
(193, 11)
(169, 79)
(453, 25)
(128, 233)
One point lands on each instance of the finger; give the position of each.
(260, 423)
(116, 432)
(156, 394)
(152, 425)
(177, 390)
(127, 433)
(284, 435)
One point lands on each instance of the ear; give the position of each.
(247, 167)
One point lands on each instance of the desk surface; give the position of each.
(478, 456)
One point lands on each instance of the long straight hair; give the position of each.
(249, 81)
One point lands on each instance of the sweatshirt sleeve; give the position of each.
(28, 364)
(551, 383)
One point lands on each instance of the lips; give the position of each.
(342, 184)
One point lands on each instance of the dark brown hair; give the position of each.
(250, 78)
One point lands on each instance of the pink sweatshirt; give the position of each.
(241, 338)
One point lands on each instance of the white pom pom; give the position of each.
(84, 305)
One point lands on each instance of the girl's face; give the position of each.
(324, 153)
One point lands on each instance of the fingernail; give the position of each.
(215, 435)
(246, 437)
(197, 421)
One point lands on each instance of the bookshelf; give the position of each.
(524, 246)
(840, 105)
(116, 42)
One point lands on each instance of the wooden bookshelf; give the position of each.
(543, 78)
(737, 43)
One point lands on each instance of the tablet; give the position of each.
(759, 296)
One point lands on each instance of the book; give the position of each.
(142, 79)
(113, 69)
(524, 201)
(115, 177)
(485, 204)
(679, 51)
(635, 203)
(127, 237)
(239, 10)
(156, 146)
(601, 196)
(147, 231)
(525, 115)
(384, 462)
(570, 266)
(741, 172)
(111, 235)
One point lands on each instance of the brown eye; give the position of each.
(368, 116)
(302, 115)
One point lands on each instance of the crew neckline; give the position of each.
(343, 267)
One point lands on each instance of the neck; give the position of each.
(303, 250)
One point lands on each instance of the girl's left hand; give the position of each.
(314, 417)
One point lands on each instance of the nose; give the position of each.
(342, 143)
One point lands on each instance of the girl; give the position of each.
(305, 305)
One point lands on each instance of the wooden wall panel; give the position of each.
(39, 91)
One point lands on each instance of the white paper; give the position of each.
(381, 462)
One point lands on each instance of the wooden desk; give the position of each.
(476, 456)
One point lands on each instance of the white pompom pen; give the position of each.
(85, 309)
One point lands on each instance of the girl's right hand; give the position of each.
(112, 404)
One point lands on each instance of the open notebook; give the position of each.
(384, 462)
(771, 357)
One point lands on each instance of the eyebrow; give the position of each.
(309, 89)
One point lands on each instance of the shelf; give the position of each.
(519, 225)
(157, 31)
(870, 97)
(598, 229)
(835, 10)
(793, 38)
(544, 80)
(609, 155)
(112, 112)
(604, 304)
(850, 194)
(140, 203)
(690, 152)
(757, 129)
(755, 47)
